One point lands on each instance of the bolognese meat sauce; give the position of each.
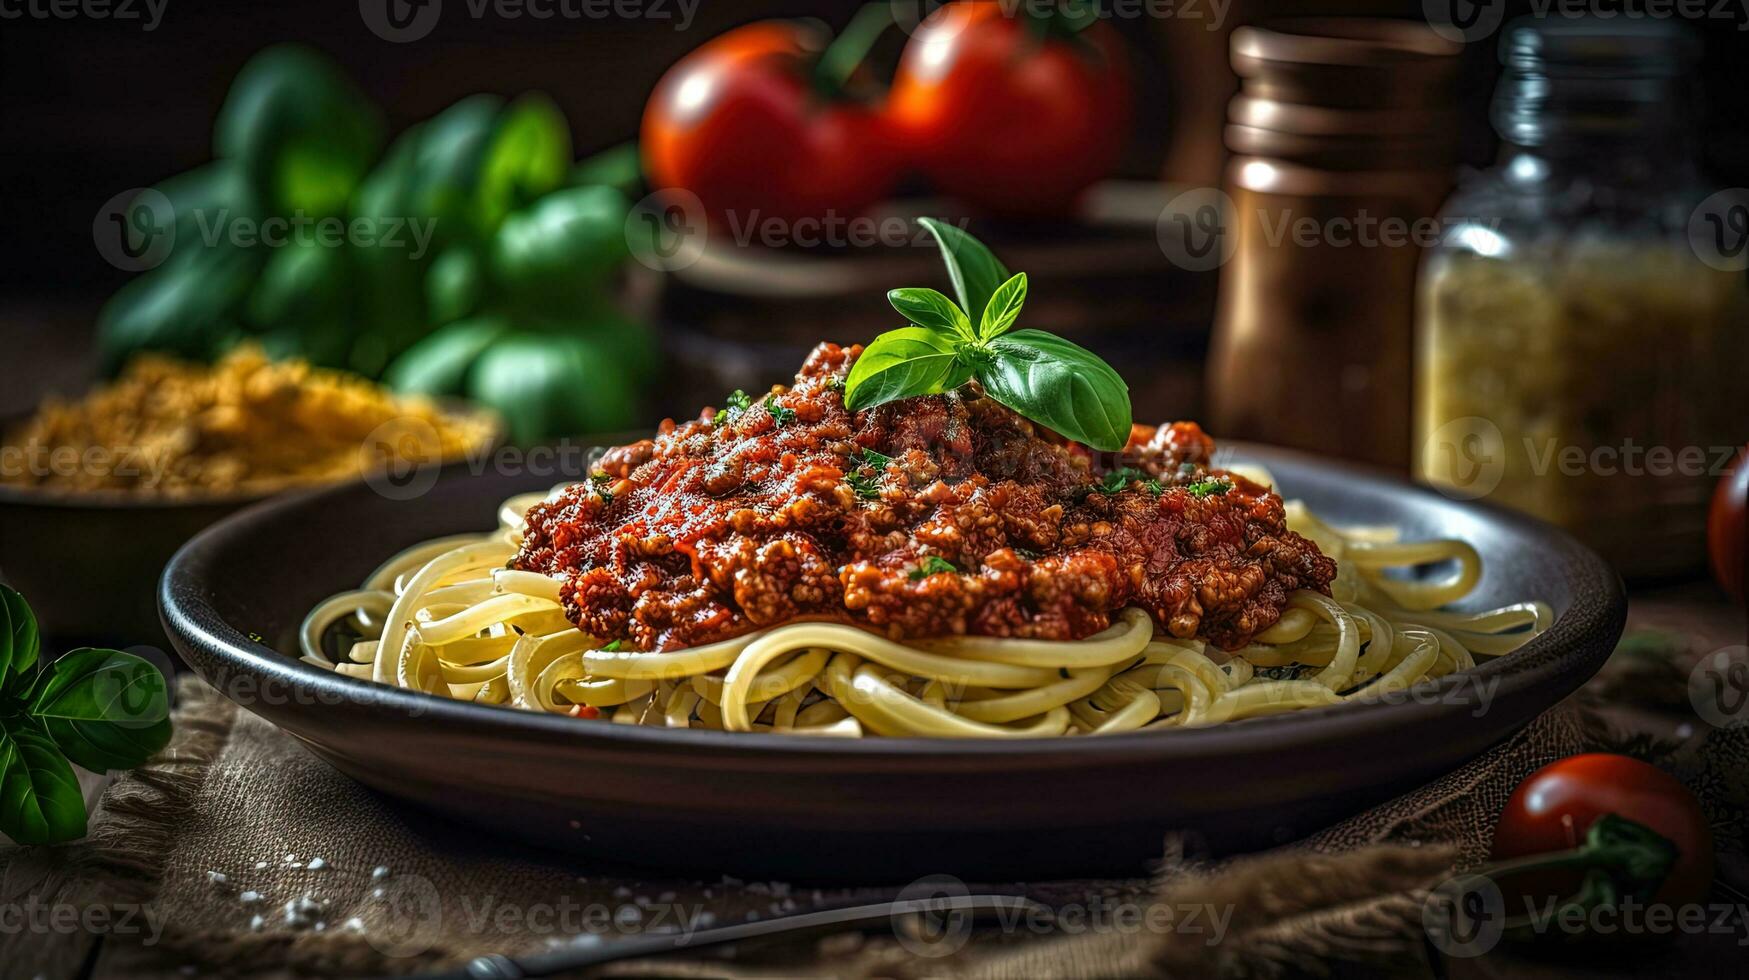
(938, 515)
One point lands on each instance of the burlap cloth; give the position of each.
(239, 853)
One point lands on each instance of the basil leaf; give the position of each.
(974, 269)
(105, 709)
(529, 156)
(20, 641)
(1059, 384)
(903, 363)
(932, 311)
(40, 802)
(1004, 308)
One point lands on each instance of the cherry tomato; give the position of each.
(1554, 807)
(1009, 118)
(741, 123)
(1726, 529)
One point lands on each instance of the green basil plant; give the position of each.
(97, 709)
(472, 256)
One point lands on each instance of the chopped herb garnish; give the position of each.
(779, 414)
(1118, 480)
(836, 385)
(600, 481)
(932, 566)
(1029, 554)
(734, 405)
(866, 487)
(612, 647)
(1207, 488)
(874, 459)
(1153, 486)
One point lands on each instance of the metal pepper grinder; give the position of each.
(1343, 137)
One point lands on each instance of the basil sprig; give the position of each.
(99, 709)
(1049, 380)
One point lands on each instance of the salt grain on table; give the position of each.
(301, 913)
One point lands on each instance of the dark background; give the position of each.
(89, 108)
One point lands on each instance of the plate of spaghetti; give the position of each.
(934, 598)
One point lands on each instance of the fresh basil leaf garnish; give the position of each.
(1004, 308)
(1045, 378)
(974, 269)
(931, 310)
(904, 363)
(1061, 385)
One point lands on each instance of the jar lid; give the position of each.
(1611, 47)
(1580, 78)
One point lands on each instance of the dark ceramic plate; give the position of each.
(711, 802)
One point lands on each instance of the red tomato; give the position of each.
(1005, 120)
(739, 123)
(1554, 807)
(1726, 529)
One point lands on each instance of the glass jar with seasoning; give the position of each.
(1581, 354)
